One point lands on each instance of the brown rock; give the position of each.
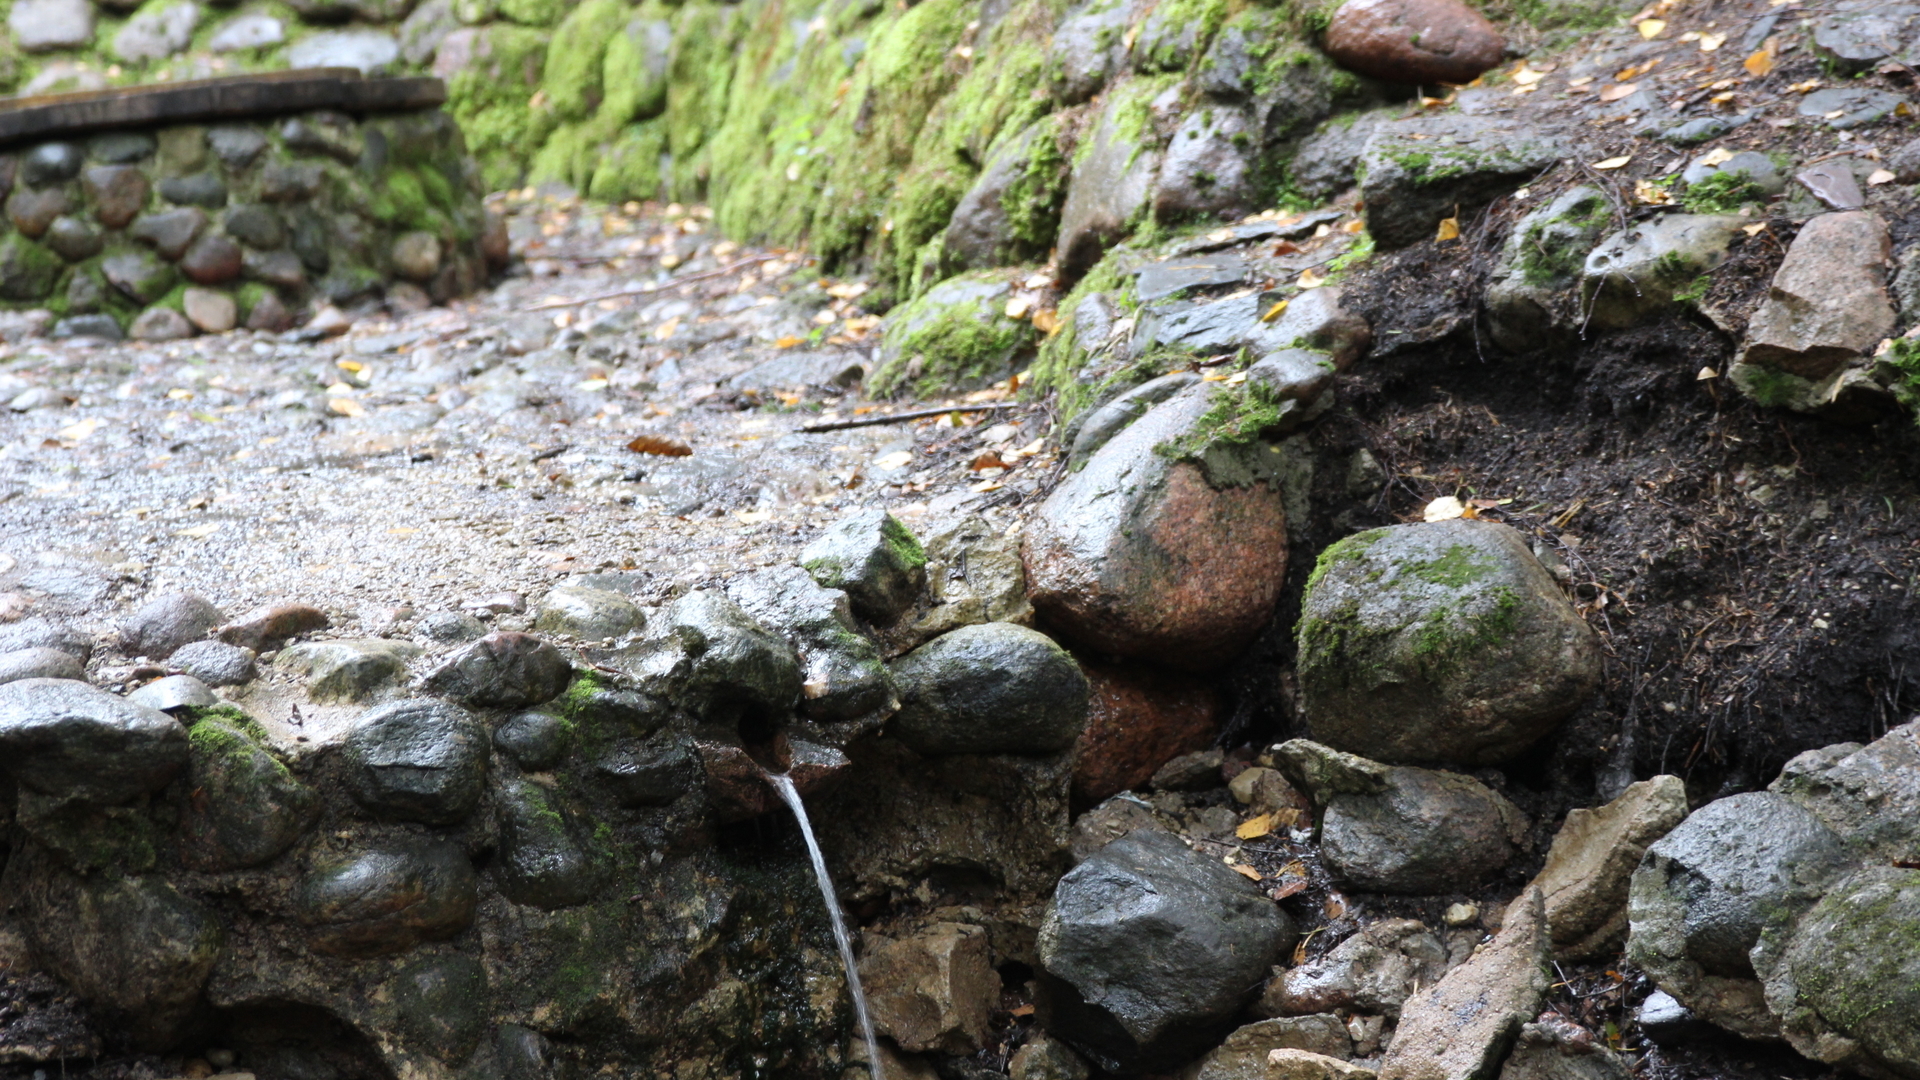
(212, 260)
(269, 313)
(1245, 1053)
(1137, 720)
(932, 991)
(267, 627)
(416, 255)
(1414, 41)
(281, 268)
(1465, 1023)
(1828, 304)
(737, 784)
(212, 311)
(495, 245)
(1593, 858)
(118, 193)
(32, 211)
(170, 231)
(1307, 1065)
(1141, 554)
(160, 324)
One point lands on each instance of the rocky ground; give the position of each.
(1510, 553)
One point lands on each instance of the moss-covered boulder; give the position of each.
(1011, 214)
(1848, 988)
(1653, 267)
(1422, 170)
(1170, 545)
(1113, 172)
(247, 807)
(1530, 289)
(1212, 166)
(1444, 641)
(956, 336)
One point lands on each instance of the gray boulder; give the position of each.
(1244, 1055)
(1827, 307)
(874, 559)
(1440, 641)
(996, 688)
(371, 51)
(45, 634)
(1639, 273)
(1530, 285)
(655, 773)
(215, 663)
(536, 741)
(1012, 212)
(157, 33)
(251, 808)
(1211, 166)
(974, 575)
(418, 760)
(1372, 972)
(1736, 869)
(1846, 985)
(39, 663)
(1592, 860)
(587, 613)
(1148, 951)
(1099, 426)
(1422, 832)
(67, 739)
(844, 677)
(1088, 49)
(165, 623)
(1869, 794)
(136, 949)
(541, 860)
(348, 671)
(505, 669)
(387, 897)
(1562, 1050)
(1430, 167)
(173, 694)
(46, 25)
(1113, 176)
(712, 659)
(440, 1004)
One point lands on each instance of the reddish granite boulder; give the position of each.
(1170, 545)
(1138, 719)
(1414, 41)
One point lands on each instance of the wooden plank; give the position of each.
(275, 93)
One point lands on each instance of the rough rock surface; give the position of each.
(1635, 274)
(1465, 1024)
(872, 558)
(1441, 641)
(1414, 41)
(505, 669)
(1151, 555)
(419, 760)
(995, 688)
(1828, 303)
(1138, 720)
(1593, 857)
(1149, 948)
(66, 739)
(1374, 971)
(1420, 832)
(1422, 170)
(932, 990)
(385, 898)
(1244, 1054)
(843, 676)
(165, 623)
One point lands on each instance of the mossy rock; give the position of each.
(1530, 291)
(1444, 641)
(576, 55)
(1849, 987)
(247, 807)
(956, 336)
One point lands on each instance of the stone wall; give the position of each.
(164, 233)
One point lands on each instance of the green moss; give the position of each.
(576, 55)
(1900, 369)
(629, 168)
(1033, 199)
(1695, 291)
(1238, 416)
(1721, 193)
(1184, 28)
(1548, 255)
(1057, 369)
(1455, 568)
(699, 77)
(491, 101)
(1770, 387)
(937, 343)
(631, 89)
(230, 716)
(533, 12)
(919, 212)
(1345, 550)
(1353, 258)
(404, 198)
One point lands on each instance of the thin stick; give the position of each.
(900, 417)
(643, 290)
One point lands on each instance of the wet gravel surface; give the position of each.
(425, 461)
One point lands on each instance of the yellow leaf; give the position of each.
(1759, 63)
(1754, 230)
(1807, 87)
(1618, 91)
(1449, 229)
(1712, 42)
(1356, 226)
(1255, 827)
(1247, 872)
(1310, 280)
(402, 531)
(1880, 176)
(346, 407)
(899, 459)
(1018, 307)
(1648, 194)
(1651, 28)
(1719, 155)
(1047, 321)
(1275, 312)
(80, 431)
(1613, 162)
(665, 330)
(1526, 76)
(1444, 508)
(787, 342)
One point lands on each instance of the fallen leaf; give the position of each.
(1444, 508)
(1449, 230)
(1287, 888)
(1613, 162)
(1039, 281)
(986, 486)
(987, 460)
(1310, 280)
(81, 431)
(402, 531)
(1712, 42)
(1031, 449)
(1021, 1010)
(1618, 91)
(1759, 62)
(1807, 87)
(659, 444)
(1880, 176)
(1705, 374)
(1579, 83)
(346, 407)
(1650, 194)
(665, 330)
(1526, 76)
(1275, 311)
(753, 517)
(1255, 827)
(1719, 155)
(1018, 307)
(1335, 906)
(1754, 230)
(787, 342)
(1286, 247)
(1651, 28)
(1046, 320)
(899, 459)
(1356, 227)
(1247, 872)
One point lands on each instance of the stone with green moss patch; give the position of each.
(1529, 294)
(955, 336)
(1420, 171)
(246, 807)
(1444, 641)
(874, 559)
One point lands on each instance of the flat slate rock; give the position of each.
(1171, 276)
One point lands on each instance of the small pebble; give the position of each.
(1461, 914)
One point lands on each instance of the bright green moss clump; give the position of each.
(954, 336)
(576, 55)
(491, 101)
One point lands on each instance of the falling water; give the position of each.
(791, 796)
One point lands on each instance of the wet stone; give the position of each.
(256, 226)
(269, 626)
(642, 774)
(932, 990)
(289, 181)
(160, 324)
(96, 327)
(1138, 719)
(33, 210)
(173, 693)
(1167, 277)
(874, 559)
(51, 163)
(212, 260)
(201, 189)
(281, 268)
(138, 274)
(996, 688)
(254, 31)
(844, 676)
(120, 147)
(157, 33)
(1423, 42)
(215, 663)
(210, 311)
(1633, 275)
(46, 25)
(165, 623)
(541, 861)
(39, 663)
(712, 659)
(236, 146)
(1422, 170)
(450, 628)
(536, 741)
(73, 239)
(170, 231)
(1464, 1024)
(504, 669)
(417, 760)
(1857, 106)
(68, 739)
(416, 255)
(440, 1002)
(587, 613)
(348, 672)
(118, 193)
(253, 808)
(387, 897)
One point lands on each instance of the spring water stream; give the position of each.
(791, 796)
